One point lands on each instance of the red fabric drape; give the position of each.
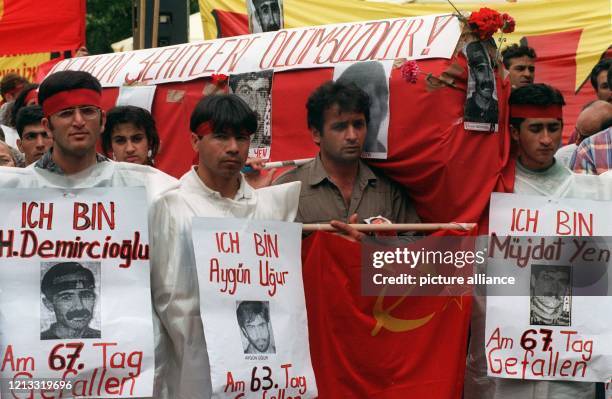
(349, 360)
(37, 26)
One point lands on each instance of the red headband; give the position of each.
(71, 98)
(15, 90)
(206, 128)
(536, 111)
(32, 95)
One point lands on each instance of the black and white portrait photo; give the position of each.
(255, 88)
(481, 107)
(255, 327)
(550, 295)
(265, 15)
(373, 78)
(70, 293)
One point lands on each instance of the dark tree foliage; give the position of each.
(111, 21)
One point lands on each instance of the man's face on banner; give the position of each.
(268, 14)
(73, 308)
(257, 332)
(483, 77)
(551, 283)
(255, 93)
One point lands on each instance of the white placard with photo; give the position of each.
(253, 308)
(75, 294)
(373, 78)
(560, 326)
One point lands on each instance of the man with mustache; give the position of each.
(337, 186)
(69, 292)
(221, 126)
(254, 321)
(481, 106)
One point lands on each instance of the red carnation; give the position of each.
(410, 70)
(219, 79)
(486, 22)
(509, 23)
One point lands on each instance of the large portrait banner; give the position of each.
(253, 308)
(75, 295)
(555, 323)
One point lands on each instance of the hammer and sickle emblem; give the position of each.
(384, 319)
(394, 324)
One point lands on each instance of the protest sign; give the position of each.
(554, 328)
(253, 308)
(74, 293)
(429, 36)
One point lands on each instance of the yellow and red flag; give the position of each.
(36, 26)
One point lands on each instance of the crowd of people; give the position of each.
(51, 133)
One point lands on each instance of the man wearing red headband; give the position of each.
(71, 103)
(221, 127)
(536, 123)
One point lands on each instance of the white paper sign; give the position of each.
(428, 36)
(253, 308)
(560, 251)
(74, 293)
(138, 96)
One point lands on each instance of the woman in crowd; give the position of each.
(130, 135)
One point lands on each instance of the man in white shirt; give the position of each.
(536, 125)
(221, 127)
(71, 103)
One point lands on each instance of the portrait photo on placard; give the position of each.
(265, 15)
(373, 78)
(255, 88)
(550, 295)
(255, 327)
(481, 104)
(70, 300)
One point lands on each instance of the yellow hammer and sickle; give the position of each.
(383, 316)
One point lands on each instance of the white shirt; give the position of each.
(174, 279)
(564, 154)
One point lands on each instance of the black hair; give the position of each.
(610, 77)
(11, 81)
(224, 112)
(139, 117)
(29, 115)
(538, 94)
(66, 80)
(50, 287)
(602, 65)
(516, 51)
(347, 96)
(20, 103)
(248, 310)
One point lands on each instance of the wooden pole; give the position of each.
(142, 21)
(155, 29)
(394, 227)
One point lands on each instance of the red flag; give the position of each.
(37, 26)
(378, 347)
